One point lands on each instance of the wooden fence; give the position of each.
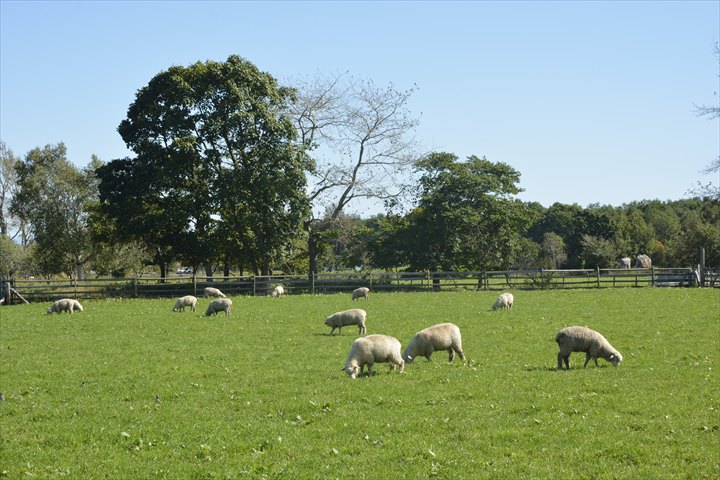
(336, 282)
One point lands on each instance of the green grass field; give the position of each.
(129, 389)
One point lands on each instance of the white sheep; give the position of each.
(370, 350)
(443, 336)
(186, 301)
(643, 261)
(213, 292)
(583, 339)
(360, 293)
(504, 301)
(65, 305)
(219, 305)
(625, 262)
(278, 291)
(355, 316)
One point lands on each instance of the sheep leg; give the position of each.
(452, 354)
(596, 364)
(565, 358)
(462, 355)
(587, 359)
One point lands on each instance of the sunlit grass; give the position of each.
(130, 389)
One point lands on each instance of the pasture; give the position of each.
(130, 389)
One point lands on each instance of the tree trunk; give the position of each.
(209, 272)
(312, 253)
(226, 265)
(78, 269)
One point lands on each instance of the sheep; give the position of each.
(355, 316)
(583, 339)
(370, 349)
(219, 305)
(213, 292)
(186, 301)
(65, 305)
(504, 301)
(625, 262)
(360, 292)
(278, 291)
(643, 261)
(444, 336)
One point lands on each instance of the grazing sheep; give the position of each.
(643, 261)
(219, 305)
(625, 262)
(360, 292)
(583, 339)
(278, 291)
(213, 292)
(444, 336)
(504, 301)
(186, 301)
(371, 349)
(65, 305)
(355, 316)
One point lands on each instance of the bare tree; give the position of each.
(8, 187)
(712, 112)
(361, 139)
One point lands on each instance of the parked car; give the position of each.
(184, 271)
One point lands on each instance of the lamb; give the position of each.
(360, 292)
(370, 349)
(444, 336)
(65, 305)
(504, 301)
(583, 339)
(355, 316)
(186, 301)
(213, 292)
(278, 291)
(625, 262)
(219, 305)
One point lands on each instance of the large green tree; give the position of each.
(54, 199)
(466, 217)
(217, 171)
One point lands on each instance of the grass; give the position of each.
(129, 389)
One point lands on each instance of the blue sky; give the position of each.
(591, 101)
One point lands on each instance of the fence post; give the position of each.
(702, 266)
(312, 283)
(652, 272)
(135, 281)
(597, 272)
(254, 285)
(194, 284)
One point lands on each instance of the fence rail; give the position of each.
(336, 282)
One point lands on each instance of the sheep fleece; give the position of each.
(356, 316)
(444, 336)
(370, 350)
(186, 301)
(220, 305)
(583, 339)
(65, 305)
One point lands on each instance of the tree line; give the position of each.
(232, 172)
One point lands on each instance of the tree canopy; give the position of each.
(217, 169)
